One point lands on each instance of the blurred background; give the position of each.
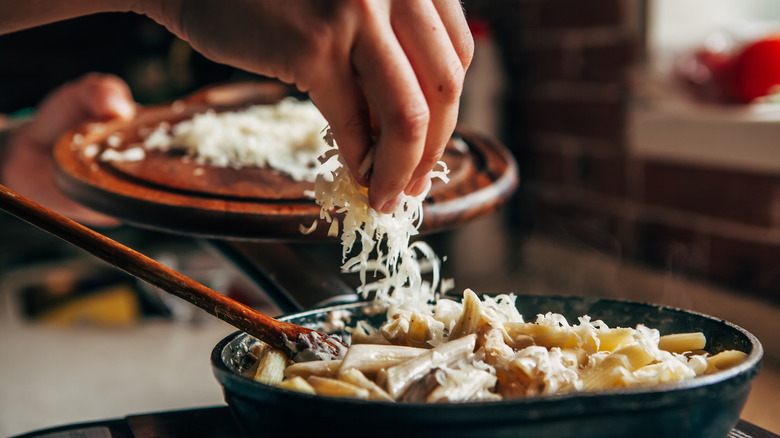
(650, 170)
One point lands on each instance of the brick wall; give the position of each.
(570, 64)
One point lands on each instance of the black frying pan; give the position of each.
(706, 407)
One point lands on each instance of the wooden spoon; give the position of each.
(290, 338)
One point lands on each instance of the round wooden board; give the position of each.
(173, 193)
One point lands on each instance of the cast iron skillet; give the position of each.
(706, 407)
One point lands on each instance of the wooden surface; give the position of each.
(169, 192)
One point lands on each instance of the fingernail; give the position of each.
(122, 107)
(391, 205)
(420, 186)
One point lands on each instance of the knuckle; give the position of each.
(391, 185)
(320, 49)
(360, 7)
(429, 158)
(451, 84)
(410, 122)
(99, 83)
(466, 50)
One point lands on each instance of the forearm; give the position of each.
(23, 14)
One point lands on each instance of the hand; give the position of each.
(398, 63)
(29, 167)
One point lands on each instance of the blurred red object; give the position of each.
(729, 74)
(708, 74)
(756, 69)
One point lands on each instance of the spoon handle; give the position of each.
(138, 265)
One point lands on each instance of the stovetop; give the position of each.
(217, 422)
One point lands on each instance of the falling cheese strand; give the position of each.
(384, 239)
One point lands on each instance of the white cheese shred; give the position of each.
(284, 136)
(378, 243)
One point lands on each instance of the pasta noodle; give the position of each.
(682, 342)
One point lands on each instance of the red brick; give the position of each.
(591, 119)
(545, 165)
(604, 174)
(579, 13)
(608, 63)
(588, 225)
(746, 265)
(545, 63)
(724, 194)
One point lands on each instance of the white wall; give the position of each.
(678, 24)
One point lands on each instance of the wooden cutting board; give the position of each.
(171, 192)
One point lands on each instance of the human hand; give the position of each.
(28, 168)
(399, 64)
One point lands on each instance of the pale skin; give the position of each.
(28, 167)
(386, 74)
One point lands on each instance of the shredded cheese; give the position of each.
(378, 243)
(285, 136)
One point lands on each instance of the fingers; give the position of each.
(454, 19)
(440, 72)
(342, 103)
(94, 96)
(107, 96)
(396, 100)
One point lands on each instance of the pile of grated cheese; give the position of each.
(376, 243)
(286, 136)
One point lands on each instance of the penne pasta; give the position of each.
(400, 377)
(610, 372)
(271, 366)
(369, 359)
(682, 342)
(298, 384)
(724, 360)
(611, 339)
(328, 387)
(320, 368)
(471, 318)
(375, 392)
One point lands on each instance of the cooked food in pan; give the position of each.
(438, 350)
(482, 350)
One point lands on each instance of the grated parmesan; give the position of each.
(380, 242)
(132, 154)
(286, 136)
